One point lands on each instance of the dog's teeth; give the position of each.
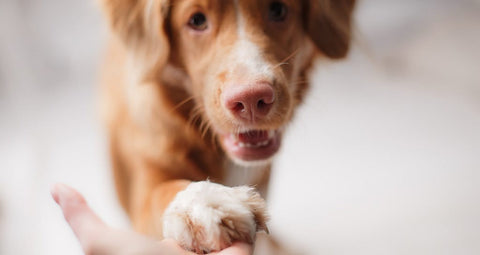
(236, 138)
(271, 133)
(253, 145)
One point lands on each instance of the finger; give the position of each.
(238, 248)
(170, 246)
(97, 238)
(86, 225)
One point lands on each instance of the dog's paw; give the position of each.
(207, 217)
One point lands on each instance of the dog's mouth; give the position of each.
(252, 145)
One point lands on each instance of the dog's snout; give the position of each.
(249, 102)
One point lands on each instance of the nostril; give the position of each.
(239, 107)
(261, 104)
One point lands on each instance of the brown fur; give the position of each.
(161, 88)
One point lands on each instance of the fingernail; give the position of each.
(59, 191)
(54, 192)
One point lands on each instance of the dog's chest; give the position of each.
(237, 175)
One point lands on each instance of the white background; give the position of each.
(383, 158)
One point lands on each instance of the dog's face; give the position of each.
(245, 60)
(241, 57)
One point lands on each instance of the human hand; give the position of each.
(96, 238)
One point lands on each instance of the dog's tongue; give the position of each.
(253, 137)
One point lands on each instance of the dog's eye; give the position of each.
(198, 21)
(277, 11)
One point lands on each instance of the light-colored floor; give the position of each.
(383, 158)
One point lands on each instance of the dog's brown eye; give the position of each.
(277, 12)
(198, 21)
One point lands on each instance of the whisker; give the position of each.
(194, 116)
(280, 64)
(203, 128)
(183, 102)
(206, 128)
(213, 140)
(285, 61)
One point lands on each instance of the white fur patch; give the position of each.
(247, 54)
(240, 172)
(208, 217)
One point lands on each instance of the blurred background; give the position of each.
(383, 158)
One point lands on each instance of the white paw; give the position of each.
(207, 217)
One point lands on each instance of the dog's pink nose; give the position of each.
(249, 102)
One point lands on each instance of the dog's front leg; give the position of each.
(149, 201)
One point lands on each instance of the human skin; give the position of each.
(97, 238)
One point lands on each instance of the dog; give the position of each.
(196, 95)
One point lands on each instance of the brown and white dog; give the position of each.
(197, 90)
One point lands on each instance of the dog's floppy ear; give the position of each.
(328, 24)
(141, 26)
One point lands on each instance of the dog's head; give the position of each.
(245, 61)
